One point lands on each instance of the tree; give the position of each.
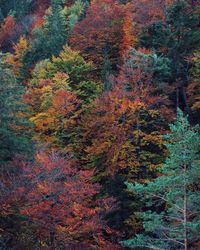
(52, 31)
(16, 59)
(176, 38)
(61, 202)
(147, 12)
(58, 93)
(102, 32)
(193, 89)
(14, 229)
(13, 138)
(121, 134)
(51, 38)
(19, 8)
(125, 113)
(171, 219)
(7, 32)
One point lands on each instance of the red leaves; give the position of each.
(7, 31)
(63, 103)
(149, 11)
(102, 32)
(61, 199)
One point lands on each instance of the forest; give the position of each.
(99, 124)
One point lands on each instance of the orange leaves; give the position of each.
(52, 107)
(16, 59)
(63, 103)
(7, 30)
(121, 133)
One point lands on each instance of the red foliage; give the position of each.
(39, 12)
(10, 186)
(105, 31)
(148, 11)
(7, 32)
(62, 203)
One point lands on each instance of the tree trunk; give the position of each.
(185, 210)
(177, 98)
(52, 240)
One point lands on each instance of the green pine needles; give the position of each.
(173, 196)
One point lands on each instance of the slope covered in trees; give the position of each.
(99, 124)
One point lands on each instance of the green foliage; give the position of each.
(150, 64)
(19, 8)
(177, 38)
(73, 13)
(13, 138)
(49, 40)
(172, 218)
(73, 64)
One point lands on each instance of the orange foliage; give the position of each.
(105, 31)
(7, 31)
(52, 109)
(121, 133)
(16, 59)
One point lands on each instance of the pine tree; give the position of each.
(171, 219)
(11, 142)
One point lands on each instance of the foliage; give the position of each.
(61, 203)
(13, 128)
(7, 31)
(102, 32)
(16, 59)
(91, 87)
(176, 38)
(174, 195)
(193, 89)
(56, 95)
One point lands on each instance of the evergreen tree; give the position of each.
(176, 37)
(50, 39)
(11, 142)
(19, 8)
(106, 71)
(172, 217)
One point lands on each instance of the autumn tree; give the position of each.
(62, 204)
(7, 33)
(121, 136)
(102, 32)
(146, 12)
(17, 58)
(56, 95)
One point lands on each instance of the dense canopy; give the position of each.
(99, 124)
